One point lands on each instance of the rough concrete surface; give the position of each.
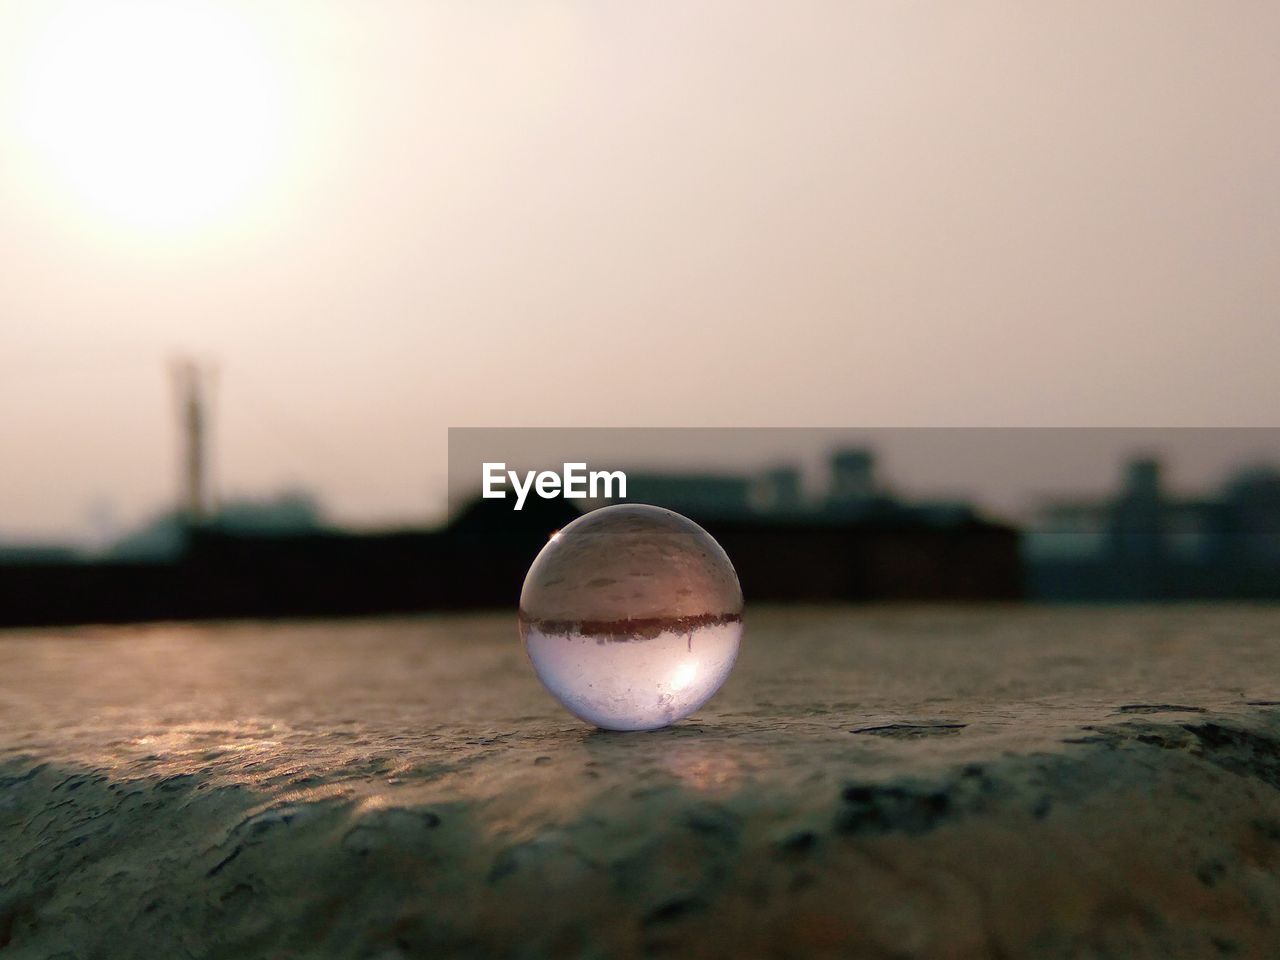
(890, 783)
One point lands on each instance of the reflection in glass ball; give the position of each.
(631, 616)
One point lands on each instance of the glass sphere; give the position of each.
(631, 616)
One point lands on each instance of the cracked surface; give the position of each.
(870, 782)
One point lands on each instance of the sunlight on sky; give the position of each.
(386, 218)
(155, 114)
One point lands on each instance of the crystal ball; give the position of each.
(631, 616)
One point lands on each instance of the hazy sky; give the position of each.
(382, 219)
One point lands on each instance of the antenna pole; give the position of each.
(191, 384)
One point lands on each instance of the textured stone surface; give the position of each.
(870, 783)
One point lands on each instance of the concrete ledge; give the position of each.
(210, 817)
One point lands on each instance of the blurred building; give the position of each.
(1146, 543)
(778, 490)
(853, 492)
(276, 558)
(853, 540)
(853, 478)
(706, 494)
(37, 553)
(167, 536)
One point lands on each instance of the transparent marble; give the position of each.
(631, 616)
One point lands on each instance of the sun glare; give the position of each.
(156, 113)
